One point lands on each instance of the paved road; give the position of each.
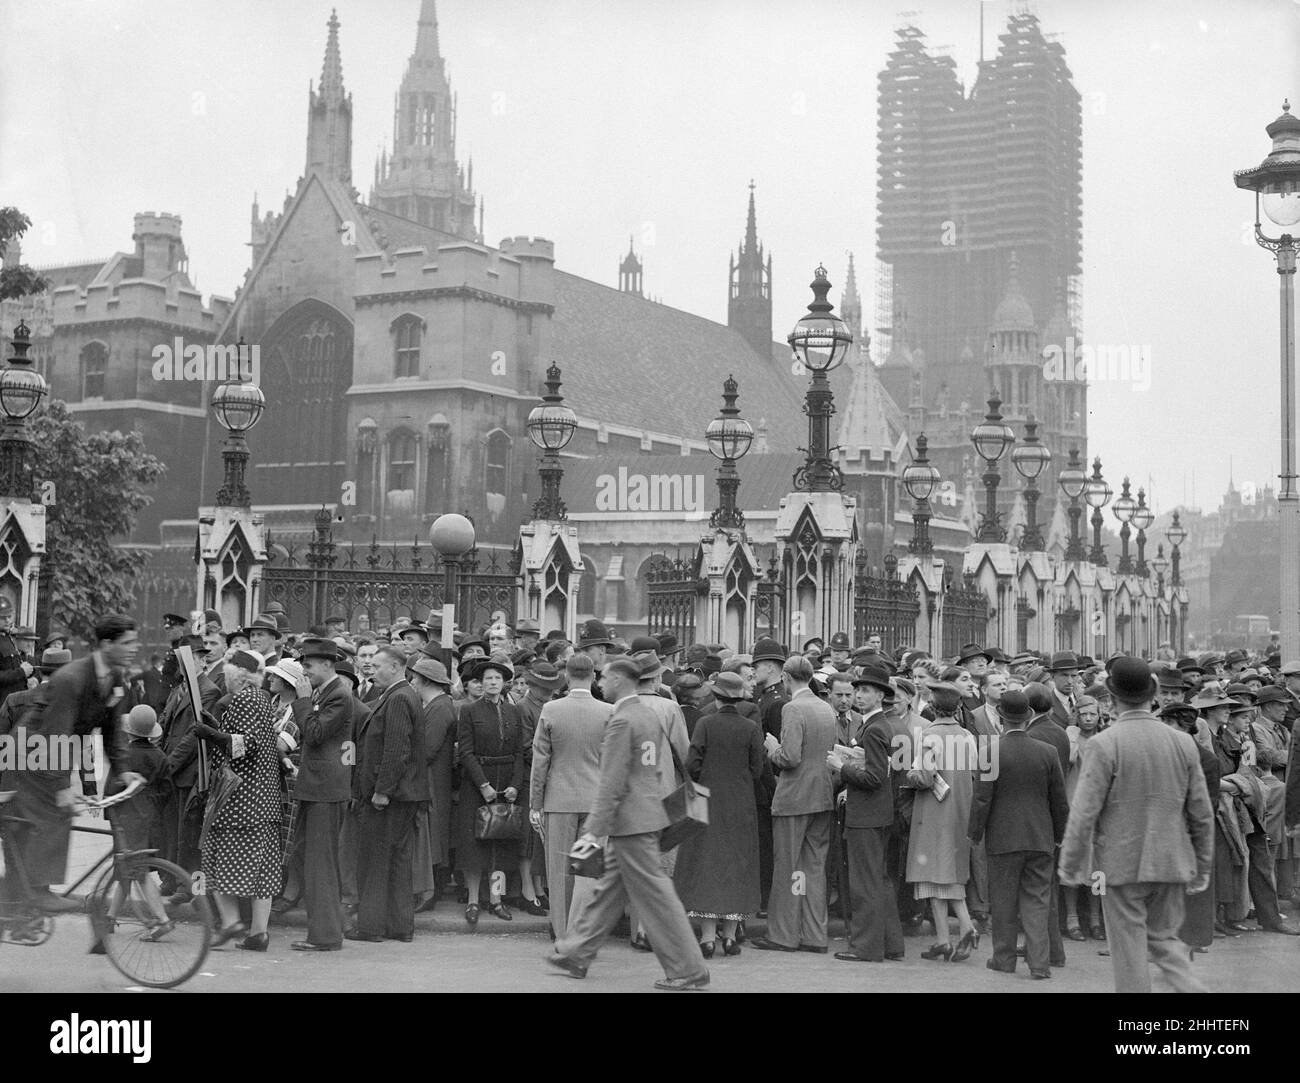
(446, 957)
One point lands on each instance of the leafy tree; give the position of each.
(19, 280)
(99, 487)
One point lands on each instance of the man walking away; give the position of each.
(1142, 813)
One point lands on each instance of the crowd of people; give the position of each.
(1036, 799)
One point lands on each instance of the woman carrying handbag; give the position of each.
(490, 744)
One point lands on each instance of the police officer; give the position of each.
(14, 670)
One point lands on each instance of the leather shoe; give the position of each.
(574, 970)
(1283, 928)
(853, 957)
(1076, 934)
(366, 938)
(813, 948)
(1000, 969)
(255, 942)
(1040, 975)
(762, 943)
(680, 985)
(307, 945)
(53, 904)
(897, 957)
(1239, 927)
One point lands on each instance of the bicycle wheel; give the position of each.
(151, 943)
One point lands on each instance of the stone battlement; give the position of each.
(168, 225)
(136, 298)
(520, 275)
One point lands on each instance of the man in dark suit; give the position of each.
(628, 808)
(366, 690)
(154, 687)
(770, 697)
(394, 782)
(875, 933)
(1063, 669)
(1020, 814)
(348, 833)
(322, 790)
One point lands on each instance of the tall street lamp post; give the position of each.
(1073, 481)
(991, 438)
(551, 425)
(452, 536)
(1276, 184)
(1123, 510)
(1097, 494)
(21, 391)
(1030, 458)
(1143, 517)
(919, 479)
(820, 341)
(1176, 534)
(729, 437)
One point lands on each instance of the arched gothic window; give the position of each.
(407, 333)
(94, 363)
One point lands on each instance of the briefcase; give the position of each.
(687, 808)
(591, 865)
(499, 821)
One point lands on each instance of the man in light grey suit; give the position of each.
(629, 812)
(566, 771)
(801, 818)
(1141, 816)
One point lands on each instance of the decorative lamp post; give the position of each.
(237, 405)
(991, 438)
(1276, 184)
(920, 478)
(551, 425)
(729, 437)
(1029, 459)
(820, 342)
(1123, 510)
(452, 536)
(1073, 481)
(1176, 534)
(1143, 517)
(1160, 565)
(1097, 494)
(21, 391)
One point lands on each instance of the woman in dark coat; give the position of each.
(490, 749)
(717, 870)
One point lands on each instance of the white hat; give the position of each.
(287, 670)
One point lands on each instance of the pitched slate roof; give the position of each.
(630, 361)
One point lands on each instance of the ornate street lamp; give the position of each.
(1097, 494)
(237, 406)
(550, 427)
(820, 342)
(991, 438)
(21, 391)
(1123, 510)
(1160, 565)
(452, 536)
(1073, 481)
(729, 437)
(1177, 534)
(920, 479)
(1143, 517)
(1029, 459)
(1276, 184)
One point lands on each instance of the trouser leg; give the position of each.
(1034, 889)
(320, 823)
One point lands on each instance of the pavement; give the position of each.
(498, 956)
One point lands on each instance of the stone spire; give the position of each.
(329, 116)
(749, 301)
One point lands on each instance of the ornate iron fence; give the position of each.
(965, 615)
(673, 586)
(883, 605)
(374, 585)
(769, 601)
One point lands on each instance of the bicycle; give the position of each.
(148, 942)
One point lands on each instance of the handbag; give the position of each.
(687, 808)
(499, 821)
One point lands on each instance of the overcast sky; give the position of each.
(591, 119)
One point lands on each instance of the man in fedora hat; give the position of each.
(565, 773)
(874, 931)
(1063, 669)
(1020, 815)
(323, 789)
(528, 635)
(430, 852)
(1142, 818)
(594, 641)
(264, 636)
(542, 681)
